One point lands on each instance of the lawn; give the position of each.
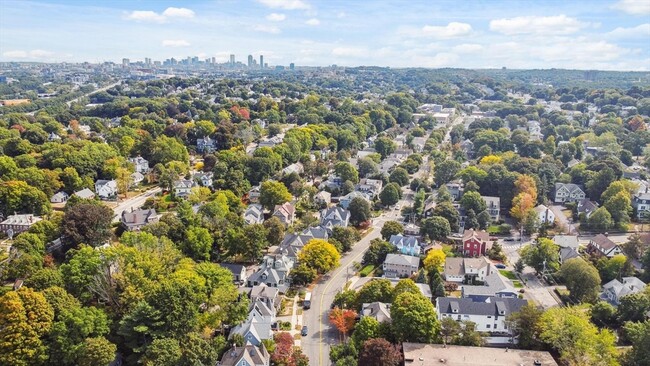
(365, 271)
(508, 274)
(517, 284)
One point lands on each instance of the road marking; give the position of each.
(320, 316)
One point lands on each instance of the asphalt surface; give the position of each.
(133, 203)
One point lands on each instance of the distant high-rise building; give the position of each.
(126, 62)
(292, 66)
(250, 61)
(195, 60)
(232, 60)
(157, 63)
(214, 60)
(147, 61)
(261, 61)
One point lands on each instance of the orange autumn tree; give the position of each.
(343, 320)
(526, 184)
(521, 204)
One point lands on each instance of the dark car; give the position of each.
(303, 332)
(500, 266)
(509, 239)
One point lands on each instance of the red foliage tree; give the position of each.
(343, 320)
(379, 352)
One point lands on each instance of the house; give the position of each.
(238, 272)
(269, 296)
(271, 141)
(418, 144)
(411, 229)
(409, 245)
(425, 290)
(419, 354)
(641, 205)
(286, 212)
(248, 355)
(53, 137)
(136, 178)
(378, 310)
(567, 253)
(254, 214)
(204, 179)
(567, 241)
(137, 219)
(371, 187)
(467, 270)
(85, 193)
(495, 285)
(476, 243)
(345, 200)
(334, 216)
(568, 192)
(586, 207)
(388, 164)
(292, 243)
(254, 194)
(141, 164)
(332, 182)
(601, 246)
(545, 215)
(468, 148)
(400, 265)
(253, 330)
(322, 198)
(18, 223)
(614, 290)
(456, 189)
(489, 315)
(493, 205)
(183, 188)
(206, 145)
(273, 272)
(59, 197)
(293, 168)
(106, 189)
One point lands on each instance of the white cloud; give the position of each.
(634, 7)
(33, 54)
(341, 15)
(285, 4)
(349, 52)
(313, 21)
(467, 48)
(153, 17)
(178, 13)
(275, 17)
(640, 31)
(175, 43)
(267, 29)
(558, 24)
(451, 30)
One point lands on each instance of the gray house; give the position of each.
(135, 220)
(334, 216)
(400, 265)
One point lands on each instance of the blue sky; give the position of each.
(592, 34)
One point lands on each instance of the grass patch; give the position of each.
(299, 312)
(285, 325)
(454, 293)
(508, 274)
(517, 284)
(493, 229)
(365, 271)
(568, 213)
(297, 336)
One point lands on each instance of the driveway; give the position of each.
(566, 225)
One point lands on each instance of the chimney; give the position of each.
(606, 234)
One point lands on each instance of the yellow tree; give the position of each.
(490, 159)
(320, 255)
(526, 184)
(123, 178)
(435, 259)
(521, 204)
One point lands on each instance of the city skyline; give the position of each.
(603, 34)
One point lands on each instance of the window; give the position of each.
(488, 326)
(495, 326)
(489, 316)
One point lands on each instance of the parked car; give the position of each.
(304, 331)
(500, 266)
(509, 239)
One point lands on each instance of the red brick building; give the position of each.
(476, 243)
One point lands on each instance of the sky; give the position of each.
(517, 34)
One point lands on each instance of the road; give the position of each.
(69, 103)
(133, 202)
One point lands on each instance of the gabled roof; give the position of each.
(491, 306)
(378, 310)
(568, 253)
(400, 240)
(85, 193)
(566, 241)
(252, 355)
(569, 187)
(494, 283)
(586, 205)
(137, 217)
(402, 260)
(479, 235)
(603, 242)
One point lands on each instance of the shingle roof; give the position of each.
(402, 259)
(492, 306)
(603, 242)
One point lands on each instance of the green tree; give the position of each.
(639, 335)
(377, 251)
(198, 243)
(399, 176)
(390, 195)
(569, 332)
(80, 271)
(436, 228)
(620, 207)
(380, 290)
(320, 255)
(366, 328)
(600, 220)
(367, 167)
(273, 193)
(302, 275)
(384, 146)
(345, 236)
(603, 314)
(163, 352)
(19, 197)
(45, 278)
(446, 171)
(408, 309)
(275, 230)
(449, 330)
(405, 285)
(469, 336)
(473, 201)
(542, 253)
(633, 307)
(359, 211)
(448, 211)
(391, 228)
(615, 267)
(96, 351)
(165, 149)
(346, 172)
(581, 279)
